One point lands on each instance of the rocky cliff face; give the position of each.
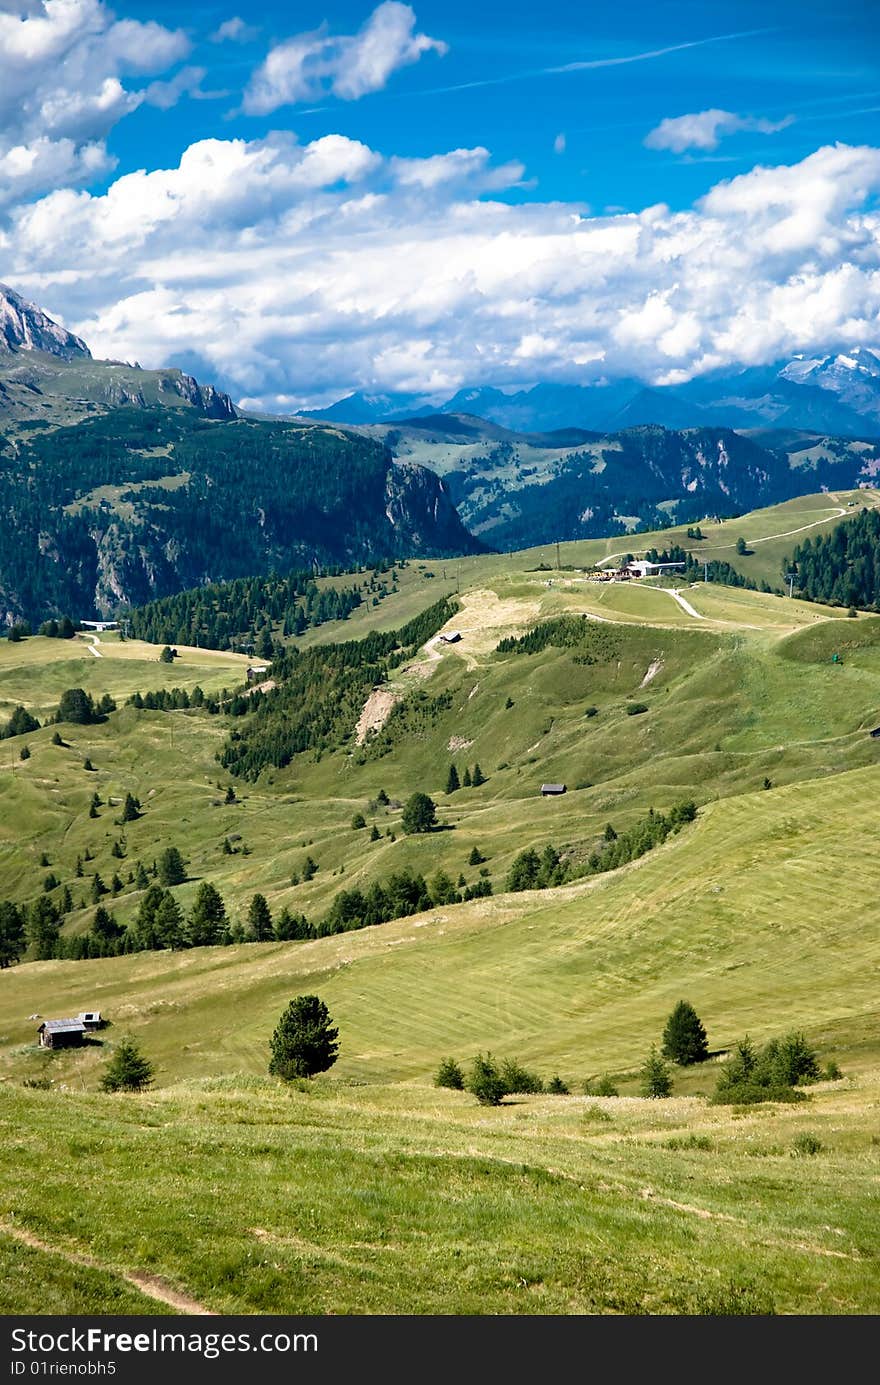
(25, 327)
(419, 507)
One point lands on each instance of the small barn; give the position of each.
(552, 790)
(876, 733)
(256, 672)
(451, 637)
(91, 1019)
(62, 1033)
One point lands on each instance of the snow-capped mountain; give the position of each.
(835, 394)
(25, 327)
(853, 376)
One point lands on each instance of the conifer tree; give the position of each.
(452, 780)
(207, 920)
(259, 919)
(128, 1069)
(172, 868)
(656, 1081)
(305, 1041)
(684, 1038)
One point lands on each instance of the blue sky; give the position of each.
(302, 200)
(815, 60)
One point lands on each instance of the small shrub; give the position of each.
(449, 1074)
(635, 709)
(604, 1087)
(556, 1086)
(485, 1081)
(38, 1084)
(831, 1072)
(594, 1115)
(748, 1093)
(805, 1145)
(688, 1142)
(518, 1079)
(656, 1081)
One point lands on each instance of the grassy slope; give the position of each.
(757, 913)
(36, 671)
(379, 1200)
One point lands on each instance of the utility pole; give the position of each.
(557, 555)
(789, 577)
(705, 572)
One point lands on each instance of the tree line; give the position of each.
(841, 568)
(533, 871)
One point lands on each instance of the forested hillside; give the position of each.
(319, 695)
(222, 615)
(138, 504)
(842, 567)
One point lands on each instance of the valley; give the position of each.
(745, 712)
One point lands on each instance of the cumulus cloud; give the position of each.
(349, 66)
(235, 31)
(61, 65)
(559, 144)
(705, 129)
(292, 273)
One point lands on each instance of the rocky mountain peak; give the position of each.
(25, 327)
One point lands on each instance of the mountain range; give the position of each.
(118, 484)
(831, 394)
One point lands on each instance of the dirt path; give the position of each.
(92, 647)
(683, 602)
(724, 547)
(149, 1284)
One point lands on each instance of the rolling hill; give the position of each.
(368, 1189)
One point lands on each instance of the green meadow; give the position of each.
(368, 1190)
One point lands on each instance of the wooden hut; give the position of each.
(62, 1033)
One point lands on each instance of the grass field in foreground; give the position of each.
(386, 1200)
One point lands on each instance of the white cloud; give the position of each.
(309, 65)
(706, 129)
(559, 144)
(61, 65)
(235, 31)
(289, 271)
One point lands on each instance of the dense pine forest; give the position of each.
(843, 567)
(243, 613)
(121, 509)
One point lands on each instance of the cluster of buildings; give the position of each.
(640, 567)
(69, 1033)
